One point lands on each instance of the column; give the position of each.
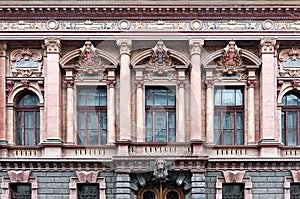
(140, 111)
(181, 106)
(195, 90)
(209, 111)
(53, 92)
(3, 138)
(268, 97)
(111, 110)
(125, 91)
(251, 110)
(69, 82)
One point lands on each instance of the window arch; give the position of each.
(164, 191)
(290, 119)
(27, 119)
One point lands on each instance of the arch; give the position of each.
(245, 53)
(13, 96)
(76, 53)
(284, 91)
(148, 53)
(167, 188)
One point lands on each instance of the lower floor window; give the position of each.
(295, 190)
(20, 190)
(232, 191)
(88, 191)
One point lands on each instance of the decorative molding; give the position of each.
(26, 62)
(209, 83)
(231, 60)
(124, 45)
(181, 83)
(251, 83)
(268, 46)
(279, 86)
(9, 86)
(295, 83)
(195, 46)
(19, 177)
(139, 83)
(87, 176)
(53, 45)
(289, 62)
(233, 176)
(69, 82)
(25, 83)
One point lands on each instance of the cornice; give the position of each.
(148, 10)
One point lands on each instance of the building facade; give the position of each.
(150, 99)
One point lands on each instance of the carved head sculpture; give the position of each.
(160, 172)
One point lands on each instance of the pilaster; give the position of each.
(125, 91)
(69, 82)
(3, 138)
(181, 82)
(53, 98)
(251, 83)
(140, 110)
(195, 89)
(209, 111)
(268, 96)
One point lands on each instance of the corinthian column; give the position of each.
(69, 82)
(111, 118)
(125, 91)
(53, 94)
(3, 139)
(268, 95)
(209, 111)
(195, 90)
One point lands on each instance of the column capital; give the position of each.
(69, 82)
(251, 83)
(181, 83)
(111, 83)
(53, 45)
(195, 46)
(268, 46)
(209, 83)
(3, 47)
(124, 45)
(139, 83)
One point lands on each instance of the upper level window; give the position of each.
(233, 190)
(290, 119)
(28, 120)
(295, 190)
(90, 191)
(92, 115)
(229, 116)
(20, 190)
(160, 114)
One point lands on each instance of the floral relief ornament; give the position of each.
(231, 60)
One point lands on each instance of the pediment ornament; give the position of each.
(160, 60)
(18, 176)
(296, 175)
(234, 176)
(26, 62)
(87, 176)
(289, 62)
(231, 60)
(89, 60)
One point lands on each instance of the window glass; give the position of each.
(149, 195)
(90, 191)
(295, 191)
(232, 190)
(20, 190)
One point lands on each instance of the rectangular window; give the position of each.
(160, 114)
(233, 191)
(90, 191)
(20, 190)
(229, 116)
(295, 191)
(92, 115)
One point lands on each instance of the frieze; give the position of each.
(180, 25)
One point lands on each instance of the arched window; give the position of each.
(28, 120)
(290, 119)
(149, 195)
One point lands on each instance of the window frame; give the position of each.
(89, 109)
(285, 109)
(81, 185)
(154, 110)
(222, 109)
(23, 109)
(16, 184)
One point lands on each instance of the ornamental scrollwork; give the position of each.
(26, 62)
(230, 61)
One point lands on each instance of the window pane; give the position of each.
(81, 120)
(171, 98)
(291, 125)
(228, 97)
(239, 120)
(160, 127)
(92, 120)
(217, 125)
(228, 120)
(172, 195)
(232, 190)
(295, 190)
(149, 195)
(103, 128)
(149, 127)
(218, 97)
(283, 127)
(239, 137)
(81, 137)
(172, 127)
(160, 97)
(239, 97)
(103, 97)
(29, 99)
(228, 137)
(18, 191)
(292, 100)
(149, 97)
(93, 136)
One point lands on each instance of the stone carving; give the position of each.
(289, 62)
(87, 176)
(231, 59)
(124, 45)
(18, 176)
(160, 61)
(234, 176)
(89, 61)
(26, 62)
(53, 45)
(268, 45)
(160, 171)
